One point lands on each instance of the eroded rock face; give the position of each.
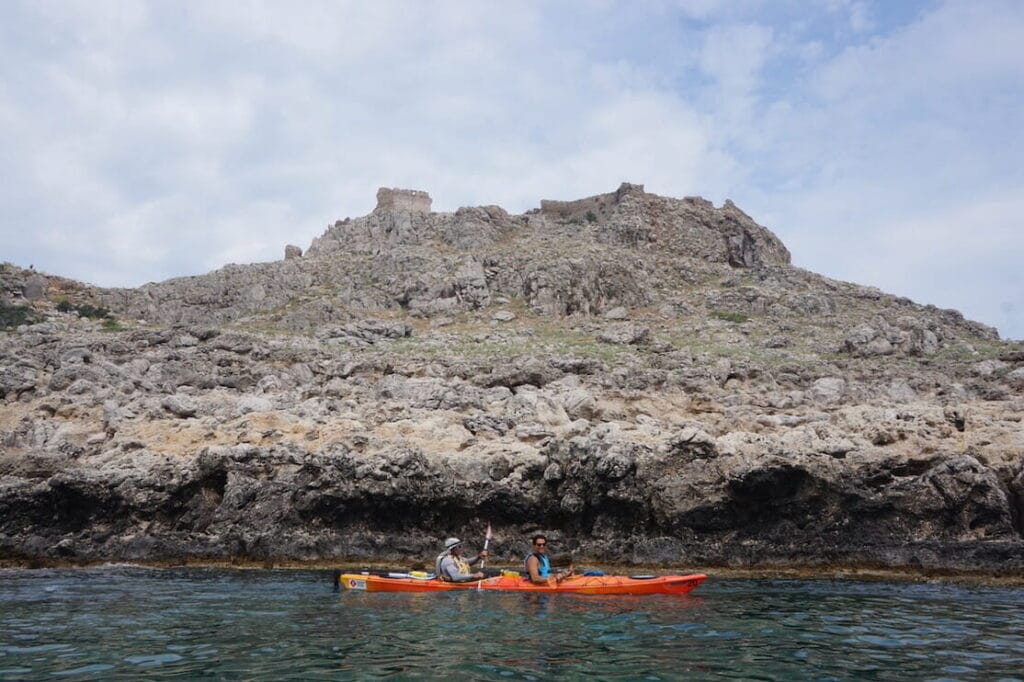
(188, 443)
(909, 335)
(646, 379)
(615, 501)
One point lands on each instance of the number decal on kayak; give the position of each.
(354, 584)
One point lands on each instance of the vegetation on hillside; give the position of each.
(12, 316)
(84, 310)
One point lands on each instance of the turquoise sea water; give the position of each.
(138, 623)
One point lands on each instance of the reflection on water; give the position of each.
(131, 623)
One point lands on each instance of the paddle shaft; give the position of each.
(484, 560)
(487, 541)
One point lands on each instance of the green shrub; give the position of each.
(591, 218)
(12, 316)
(93, 312)
(84, 310)
(739, 318)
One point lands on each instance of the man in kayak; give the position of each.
(451, 567)
(538, 566)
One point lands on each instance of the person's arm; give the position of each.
(478, 558)
(452, 575)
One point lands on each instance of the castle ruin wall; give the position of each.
(393, 199)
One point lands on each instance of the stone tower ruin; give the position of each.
(412, 200)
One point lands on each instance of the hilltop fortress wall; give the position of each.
(393, 199)
(595, 204)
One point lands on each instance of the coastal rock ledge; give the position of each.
(647, 379)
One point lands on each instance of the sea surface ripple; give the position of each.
(124, 622)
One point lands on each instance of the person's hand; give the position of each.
(478, 575)
(483, 554)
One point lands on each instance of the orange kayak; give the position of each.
(605, 584)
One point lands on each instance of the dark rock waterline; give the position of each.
(629, 507)
(620, 505)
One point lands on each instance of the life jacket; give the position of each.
(460, 563)
(543, 565)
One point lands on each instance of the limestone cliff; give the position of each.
(648, 379)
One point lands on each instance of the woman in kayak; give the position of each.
(451, 567)
(538, 566)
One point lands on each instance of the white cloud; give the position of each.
(701, 9)
(857, 12)
(860, 19)
(733, 55)
(948, 257)
(905, 135)
(145, 140)
(959, 43)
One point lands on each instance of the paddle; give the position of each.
(487, 541)
(562, 577)
(570, 573)
(379, 573)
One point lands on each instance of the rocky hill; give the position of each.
(648, 379)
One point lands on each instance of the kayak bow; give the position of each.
(607, 584)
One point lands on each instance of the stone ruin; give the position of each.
(594, 204)
(412, 200)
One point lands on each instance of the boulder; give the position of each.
(34, 288)
(828, 390)
(624, 334)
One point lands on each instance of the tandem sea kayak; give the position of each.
(605, 584)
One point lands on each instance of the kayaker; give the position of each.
(538, 566)
(451, 567)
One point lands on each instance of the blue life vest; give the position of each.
(544, 567)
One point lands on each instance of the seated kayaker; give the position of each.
(538, 566)
(451, 567)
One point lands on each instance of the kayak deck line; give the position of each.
(608, 584)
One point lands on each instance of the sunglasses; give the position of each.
(540, 544)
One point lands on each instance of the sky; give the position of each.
(881, 140)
